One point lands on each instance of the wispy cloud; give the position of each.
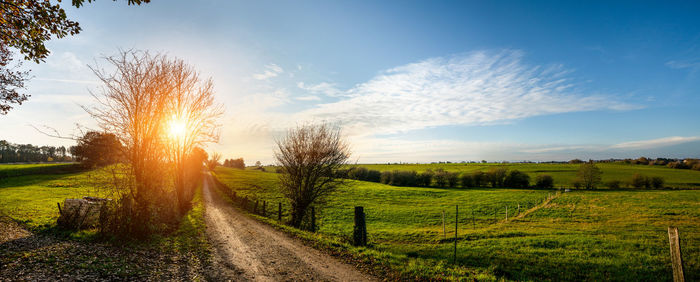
(271, 70)
(325, 88)
(472, 89)
(655, 143)
(308, 98)
(683, 64)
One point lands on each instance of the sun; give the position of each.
(177, 128)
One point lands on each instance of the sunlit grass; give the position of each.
(587, 235)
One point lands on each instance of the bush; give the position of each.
(497, 176)
(404, 178)
(440, 177)
(657, 182)
(386, 177)
(479, 178)
(425, 178)
(358, 173)
(614, 184)
(452, 179)
(696, 167)
(374, 175)
(544, 181)
(467, 180)
(577, 184)
(640, 181)
(517, 179)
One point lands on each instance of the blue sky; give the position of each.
(412, 81)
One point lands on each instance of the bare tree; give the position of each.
(213, 161)
(309, 155)
(160, 111)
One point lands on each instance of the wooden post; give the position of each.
(518, 209)
(264, 210)
(61, 212)
(255, 209)
(360, 230)
(234, 195)
(279, 211)
(676, 260)
(506, 213)
(444, 233)
(454, 261)
(313, 219)
(473, 220)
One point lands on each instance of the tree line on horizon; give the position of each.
(24, 153)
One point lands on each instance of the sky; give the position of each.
(407, 81)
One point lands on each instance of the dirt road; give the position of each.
(246, 250)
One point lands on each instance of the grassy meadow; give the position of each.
(563, 174)
(581, 235)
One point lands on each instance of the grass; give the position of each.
(31, 200)
(10, 170)
(564, 174)
(582, 235)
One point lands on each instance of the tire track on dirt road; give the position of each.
(244, 249)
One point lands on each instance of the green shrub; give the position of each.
(479, 178)
(452, 179)
(657, 182)
(497, 176)
(374, 175)
(640, 181)
(440, 177)
(614, 184)
(386, 177)
(544, 181)
(404, 178)
(467, 180)
(425, 178)
(517, 179)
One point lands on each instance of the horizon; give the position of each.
(408, 82)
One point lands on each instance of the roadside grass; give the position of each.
(564, 174)
(582, 235)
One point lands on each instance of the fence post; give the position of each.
(313, 219)
(674, 239)
(255, 209)
(506, 213)
(234, 195)
(473, 220)
(360, 230)
(279, 211)
(454, 261)
(264, 210)
(518, 209)
(444, 233)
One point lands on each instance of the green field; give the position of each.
(564, 174)
(583, 235)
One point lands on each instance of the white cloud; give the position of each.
(683, 64)
(271, 70)
(655, 143)
(478, 88)
(308, 98)
(325, 88)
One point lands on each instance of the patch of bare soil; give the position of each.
(28, 257)
(247, 250)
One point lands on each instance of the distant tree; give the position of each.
(258, 164)
(575, 161)
(640, 181)
(97, 149)
(497, 176)
(237, 163)
(467, 180)
(589, 175)
(452, 179)
(544, 181)
(614, 184)
(213, 161)
(386, 177)
(308, 157)
(657, 182)
(517, 179)
(440, 177)
(479, 178)
(425, 178)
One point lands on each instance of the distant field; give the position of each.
(565, 174)
(10, 170)
(586, 235)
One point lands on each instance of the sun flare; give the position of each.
(177, 128)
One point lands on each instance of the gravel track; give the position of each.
(244, 249)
